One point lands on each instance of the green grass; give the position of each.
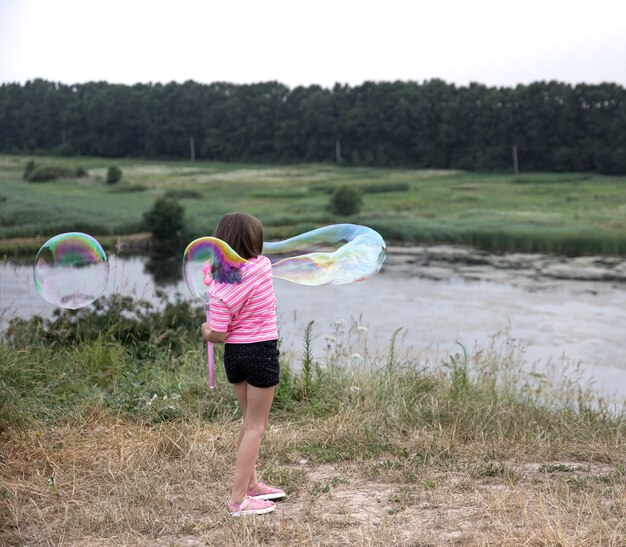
(572, 214)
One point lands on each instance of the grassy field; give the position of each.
(571, 214)
(109, 435)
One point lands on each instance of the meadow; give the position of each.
(569, 214)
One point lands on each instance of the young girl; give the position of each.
(243, 317)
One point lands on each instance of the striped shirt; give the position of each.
(246, 311)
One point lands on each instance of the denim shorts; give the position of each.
(255, 363)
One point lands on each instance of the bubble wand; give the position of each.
(207, 260)
(209, 345)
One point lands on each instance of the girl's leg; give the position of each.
(259, 401)
(241, 390)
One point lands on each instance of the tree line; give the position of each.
(553, 126)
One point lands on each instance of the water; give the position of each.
(561, 310)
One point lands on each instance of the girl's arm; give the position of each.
(211, 335)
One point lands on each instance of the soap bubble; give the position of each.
(71, 270)
(209, 259)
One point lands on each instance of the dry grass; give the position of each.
(106, 481)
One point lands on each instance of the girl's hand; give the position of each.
(205, 331)
(212, 336)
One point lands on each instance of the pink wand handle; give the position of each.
(210, 359)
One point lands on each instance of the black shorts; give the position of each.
(255, 363)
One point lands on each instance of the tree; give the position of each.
(114, 174)
(166, 221)
(346, 201)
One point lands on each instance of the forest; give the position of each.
(552, 126)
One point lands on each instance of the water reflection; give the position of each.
(164, 272)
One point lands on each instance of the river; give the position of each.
(556, 311)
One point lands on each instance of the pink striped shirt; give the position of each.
(246, 311)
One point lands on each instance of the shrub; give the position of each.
(114, 174)
(30, 167)
(346, 200)
(166, 220)
(81, 172)
(47, 173)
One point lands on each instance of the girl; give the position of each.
(243, 317)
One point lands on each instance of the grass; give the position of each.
(570, 214)
(110, 436)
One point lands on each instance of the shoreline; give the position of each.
(19, 247)
(520, 269)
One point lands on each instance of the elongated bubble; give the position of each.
(362, 254)
(208, 259)
(71, 270)
(360, 257)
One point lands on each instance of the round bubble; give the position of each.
(71, 270)
(360, 255)
(209, 259)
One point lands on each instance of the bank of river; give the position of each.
(557, 311)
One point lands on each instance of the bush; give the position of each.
(81, 172)
(166, 220)
(345, 201)
(47, 173)
(114, 174)
(30, 167)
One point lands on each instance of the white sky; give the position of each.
(303, 42)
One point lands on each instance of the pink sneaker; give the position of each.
(250, 506)
(262, 491)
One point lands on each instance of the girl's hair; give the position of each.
(243, 232)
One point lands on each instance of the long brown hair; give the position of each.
(243, 232)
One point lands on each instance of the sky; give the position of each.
(304, 42)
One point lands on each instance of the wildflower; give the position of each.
(356, 357)
(362, 328)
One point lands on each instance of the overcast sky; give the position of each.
(303, 42)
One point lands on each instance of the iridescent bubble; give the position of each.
(71, 270)
(209, 259)
(360, 257)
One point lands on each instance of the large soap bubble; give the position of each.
(71, 270)
(360, 257)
